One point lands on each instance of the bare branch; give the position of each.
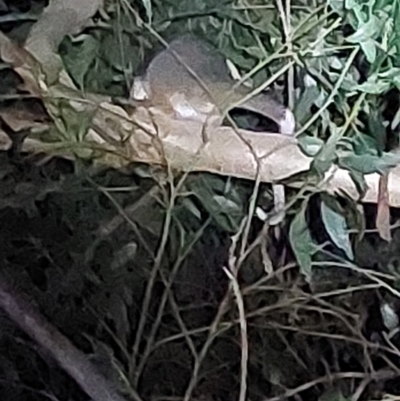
(72, 360)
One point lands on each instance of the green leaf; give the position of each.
(391, 73)
(149, 10)
(366, 144)
(373, 87)
(225, 204)
(192, 208)
(396, 120)
(310, 145)
(72, 124)
(365, 32)
(396, 25)
(304, 103)
(302, 244)
(328, 154)
(376, 129)
(337, 6)
(80, 57)
(335, 225)
(369, 49)
(368, 164)
(359, 181)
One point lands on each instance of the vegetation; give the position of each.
(174, 285)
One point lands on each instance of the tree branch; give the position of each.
(70, 359)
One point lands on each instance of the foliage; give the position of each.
(130, 266)
(345, 55)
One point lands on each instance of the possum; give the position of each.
(191, 79)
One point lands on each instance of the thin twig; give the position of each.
(328, 378)
(152, 279)
(243, 334)
(212, 333)
(168, 296)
